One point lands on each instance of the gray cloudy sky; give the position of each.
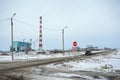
(90, 22)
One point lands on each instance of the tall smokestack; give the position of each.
(40, 36)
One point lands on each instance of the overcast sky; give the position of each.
(89, 22)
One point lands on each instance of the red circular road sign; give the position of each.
(74, 43)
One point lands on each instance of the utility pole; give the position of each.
(12, 34)
(63, 37)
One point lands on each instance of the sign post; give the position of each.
(74, 48)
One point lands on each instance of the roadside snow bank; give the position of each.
(22, 56)
(97, 64)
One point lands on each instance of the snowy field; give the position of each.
(109, 63)
(71, 70)
(34, 55)
(98, 67)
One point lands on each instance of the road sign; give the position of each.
(74, 43)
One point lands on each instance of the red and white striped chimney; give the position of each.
(40, 36)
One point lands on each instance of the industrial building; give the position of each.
(21, 46)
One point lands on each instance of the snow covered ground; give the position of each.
(109, 63)
(33, 55)
(92, 68)
(72, 70)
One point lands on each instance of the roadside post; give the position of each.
(74, 47)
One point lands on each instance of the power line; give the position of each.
(25, 23)
(34, 25)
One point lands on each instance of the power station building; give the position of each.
(19, 46)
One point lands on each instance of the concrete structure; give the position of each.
(40, 49)
(40, 36)
(21, 46)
